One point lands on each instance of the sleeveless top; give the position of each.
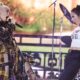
(75, 38)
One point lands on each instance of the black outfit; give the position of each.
(71, 66)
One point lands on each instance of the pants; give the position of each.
(6, 50)
(71, 66)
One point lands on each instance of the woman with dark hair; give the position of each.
(72, 60)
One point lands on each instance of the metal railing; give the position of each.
(42, 60)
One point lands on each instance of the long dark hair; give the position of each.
(76, 10)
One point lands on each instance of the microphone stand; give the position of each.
(60, 52)
(53, 54)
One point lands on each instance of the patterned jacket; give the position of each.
(8, 51)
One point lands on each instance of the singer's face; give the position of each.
(75, 18)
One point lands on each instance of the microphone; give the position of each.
(52, 3)
(18, 25)
(13, 21)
